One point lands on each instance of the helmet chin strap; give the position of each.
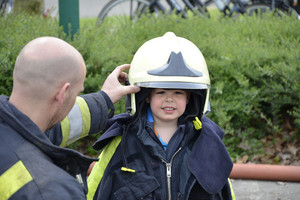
(133, 105)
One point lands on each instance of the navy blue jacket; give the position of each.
(32, 167)
(196, 164)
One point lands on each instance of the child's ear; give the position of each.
(147, 100)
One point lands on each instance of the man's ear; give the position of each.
(61, 93)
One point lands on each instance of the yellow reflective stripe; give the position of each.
(77, 124)
(231, 189)
(14, 179)
(100, 166)
(65, 129)
(86, 116)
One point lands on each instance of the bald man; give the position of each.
(43, 114)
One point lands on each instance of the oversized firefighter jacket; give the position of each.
(134, 165)
(32, 167)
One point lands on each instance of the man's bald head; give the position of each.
(48, 75)
(46, 63)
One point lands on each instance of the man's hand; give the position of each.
(113, 84)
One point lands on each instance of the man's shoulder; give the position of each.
(42, 175)
(8, 136)
(11, 142)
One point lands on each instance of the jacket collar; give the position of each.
(209, 160)
(115, 128)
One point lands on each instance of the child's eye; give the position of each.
(160, 92)
(179, 92)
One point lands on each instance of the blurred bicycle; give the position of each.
(133, 9)
(6, 7)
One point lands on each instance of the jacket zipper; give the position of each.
(169, 173)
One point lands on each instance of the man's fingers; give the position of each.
(113, 84)
(122, 77)
(133, 89)
(121, 68)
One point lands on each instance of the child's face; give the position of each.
(167, 105)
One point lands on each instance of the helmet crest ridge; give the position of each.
(175, 67)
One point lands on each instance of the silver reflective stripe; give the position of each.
(77, 124)
(75, 120)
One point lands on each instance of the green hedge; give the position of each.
(254, 66)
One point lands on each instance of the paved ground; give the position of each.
(244, 189)
(266, 190)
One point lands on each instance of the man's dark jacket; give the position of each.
(31, 166)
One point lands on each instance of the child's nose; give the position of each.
(169, 98)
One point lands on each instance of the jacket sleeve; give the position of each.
(88, 116)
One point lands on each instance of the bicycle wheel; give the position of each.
(260, 10)
(123, 9)
(2, 7)
(200, 8)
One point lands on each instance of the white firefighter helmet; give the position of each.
(169, 62)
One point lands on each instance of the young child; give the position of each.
(166, 148)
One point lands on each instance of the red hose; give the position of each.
(266, 172)
(260, 172)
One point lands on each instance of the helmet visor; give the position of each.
(173, 85)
